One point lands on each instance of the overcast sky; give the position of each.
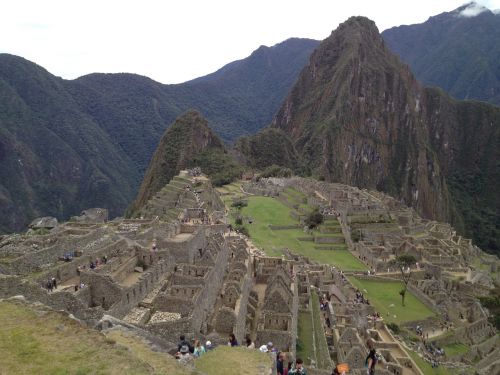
(177, 40)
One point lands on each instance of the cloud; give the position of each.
(472, 10)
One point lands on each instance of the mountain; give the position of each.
(66, 145)
(358, 116)
(188, 143)
(54, 159)
(457, 51)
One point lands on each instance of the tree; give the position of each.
(314, 219)
(403, 263)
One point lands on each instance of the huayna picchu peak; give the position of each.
(357, 115)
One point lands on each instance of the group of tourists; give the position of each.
(360, 298)
(292, 368)
(51, 284)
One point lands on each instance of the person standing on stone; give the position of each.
(232, 340)
(299, 368)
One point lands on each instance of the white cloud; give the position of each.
(472, 10)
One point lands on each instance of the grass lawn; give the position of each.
(426, 366)
(225, 360)
(322, 354)
(305, 338)
(455, 349)
(383, 295)
(265, 211)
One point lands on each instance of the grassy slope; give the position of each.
(305, 338)
(384, 294)
(426, 366)
(46, 342)
(40, 341)
(265, 211)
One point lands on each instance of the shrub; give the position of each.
(239, 221)
(394, 328)
(314, 219)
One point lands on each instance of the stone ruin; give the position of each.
(175, 269)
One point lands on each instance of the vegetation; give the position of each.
(383, 295)
(426, 367)
(313, 219)
(69, 145)
(394, 328)
(276, 171)
(229, 361)
(458, 54)
(403, 263)
(322, 353)
(305, 340)
(36, 340)
(492, 303)
(266, 212)
(46, 342)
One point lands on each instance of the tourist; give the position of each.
(198, 349)
(280, 364)
(270, 347)
(182, 342)
(208, 346)
(250, 343)
(184, 356)
(54, 283)
(299, 368)
(232, 340)
(371, 361)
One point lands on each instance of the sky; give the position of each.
(172, 41)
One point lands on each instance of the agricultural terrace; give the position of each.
(262, 214)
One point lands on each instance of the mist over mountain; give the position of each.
(457, 51)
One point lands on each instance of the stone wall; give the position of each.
(185, 251)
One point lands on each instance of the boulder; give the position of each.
(47, 222)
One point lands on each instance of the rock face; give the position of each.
(185, 144)
(358, 116)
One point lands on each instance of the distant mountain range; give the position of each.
(69, 145)
(356, 114)
(458, 51)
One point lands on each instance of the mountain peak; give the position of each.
(179, 148)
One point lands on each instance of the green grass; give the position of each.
(383, 294)
(426, 366)
(39, 341)
(266, 211)
(452, 350)
(229, 361)
(322, 353)
(305, 338)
